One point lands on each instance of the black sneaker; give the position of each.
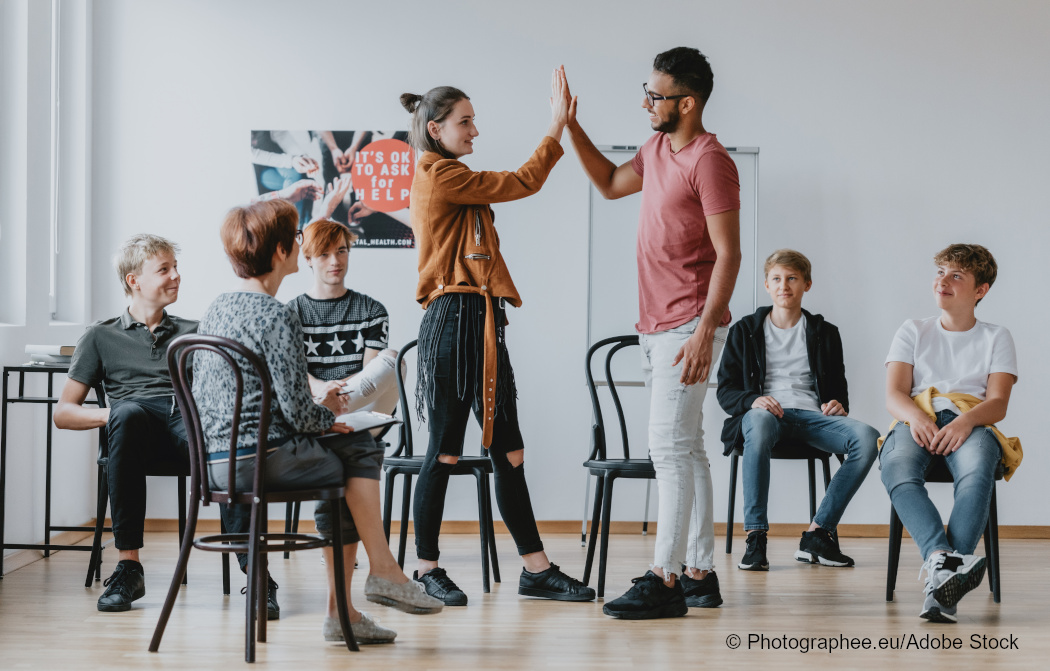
(553, 584)
(125, 585)
(649, 599)
(821, 547)
(701, 593)
(755, 554)
(440, 586)
(273, 609)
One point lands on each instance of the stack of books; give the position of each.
(50, 353)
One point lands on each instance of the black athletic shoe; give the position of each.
(701, 593)
(553, 584)
(273, 609)
(755, 554)
(649, 599)
(440, 586)
(125, 585)
(821, 547)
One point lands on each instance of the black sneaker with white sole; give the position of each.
(820, 546)
(701, 593)
(649, 599)
(755, 554)
(440, 586)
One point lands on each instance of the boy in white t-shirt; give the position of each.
(948, 381)
(782, 378)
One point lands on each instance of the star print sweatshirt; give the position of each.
(271, 329)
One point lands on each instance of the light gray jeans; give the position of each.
(685, 531)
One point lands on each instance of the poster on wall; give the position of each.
(359, 178)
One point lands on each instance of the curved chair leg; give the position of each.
(733, 466)
(338, 569)
(896, 533)
(182, 520)
(603, 557)
(95, 563)
(406, 505)
(482, 479)
(261, 572)
(645, 519)
(599, 483)
(176, 580)
(493, 559)
(827, 473)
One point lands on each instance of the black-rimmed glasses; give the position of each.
(652, 97)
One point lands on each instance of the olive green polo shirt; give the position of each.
(122, 354)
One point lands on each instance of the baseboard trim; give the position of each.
(306, 525)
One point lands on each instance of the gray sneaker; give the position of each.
(366, 632)
(410, 597)
(935, 611)
(949, 576)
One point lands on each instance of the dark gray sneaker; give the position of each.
(755, 554)
(127, 584)
(701, 593)
(649, 599)
(553, 584)
(273, 609)
(440, 586)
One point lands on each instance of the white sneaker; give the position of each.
(950, 575)
(935, 611)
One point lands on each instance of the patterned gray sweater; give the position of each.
(271, 329)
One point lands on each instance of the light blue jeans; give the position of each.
(832, 434)
(904, 462)
(685, 530)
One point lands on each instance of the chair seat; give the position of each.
(464, 466)
(160, 469)
(791, 450)
(625, 468)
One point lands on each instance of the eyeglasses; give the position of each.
(299, 236)
(652, 97)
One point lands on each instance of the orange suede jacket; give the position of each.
(457, 241)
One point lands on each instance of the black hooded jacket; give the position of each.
(743, 369)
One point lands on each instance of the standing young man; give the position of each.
(688, 258)
(128, 356)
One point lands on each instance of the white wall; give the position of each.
(887, 131)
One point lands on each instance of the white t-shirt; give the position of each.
(953, 361)
(789, 378)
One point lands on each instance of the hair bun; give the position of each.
(410, 101)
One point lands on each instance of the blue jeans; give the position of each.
(904, 463)
(833, 434)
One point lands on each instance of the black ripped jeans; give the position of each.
(450, 361)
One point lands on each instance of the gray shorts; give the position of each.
(307, 462)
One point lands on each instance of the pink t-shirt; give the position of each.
(675, 255)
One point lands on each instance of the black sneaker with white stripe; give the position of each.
(820, 546)
(755, 554)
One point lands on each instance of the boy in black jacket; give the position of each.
(782, 378)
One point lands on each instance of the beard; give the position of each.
(669, 126)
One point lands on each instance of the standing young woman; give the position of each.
(463, 361)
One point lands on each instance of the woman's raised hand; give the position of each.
(561, 103)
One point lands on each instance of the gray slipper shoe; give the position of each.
(410, 597)
(366, 632)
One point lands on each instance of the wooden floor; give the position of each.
(48, 620)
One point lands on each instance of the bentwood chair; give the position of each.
(404, 462)
(608, 469)
(938, 471)
(258, 541)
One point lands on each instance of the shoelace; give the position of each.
(443, 581)
(930, 567)
(119, 580)
(573, 582)
(271, 584)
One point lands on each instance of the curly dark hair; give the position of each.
(689, 69)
